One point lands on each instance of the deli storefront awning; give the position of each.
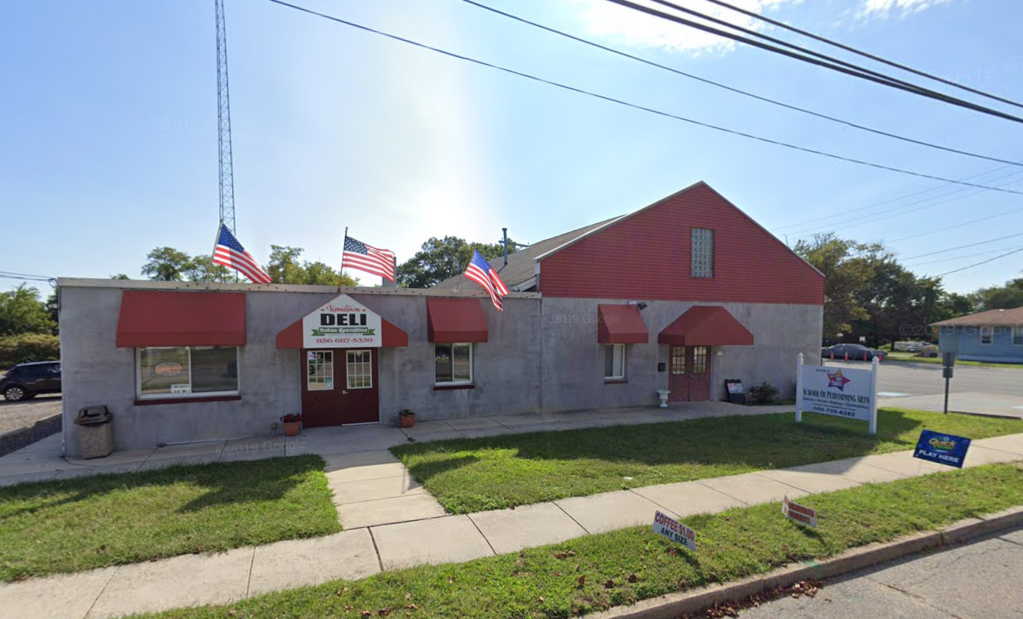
(706, 325)
(455, 320)
(620, 324)
(172, 318)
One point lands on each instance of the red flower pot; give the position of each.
(291, 428)
(407, 421)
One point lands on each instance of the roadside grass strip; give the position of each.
(90, 522)
(622, 567)
(471, 475)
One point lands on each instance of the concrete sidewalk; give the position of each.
(42, 461)
(366, 549)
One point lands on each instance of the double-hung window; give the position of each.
(987, 336)
(1017, 336)
(614, 361)
(453, 364)
(196, 371)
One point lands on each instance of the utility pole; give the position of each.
(224, 124)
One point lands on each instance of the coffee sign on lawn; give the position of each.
(675, 531)
(341, 323)
(800, 513)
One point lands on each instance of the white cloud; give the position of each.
(638, 29)
(883, 8)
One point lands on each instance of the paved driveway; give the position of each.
(991, 391)
(16, 415)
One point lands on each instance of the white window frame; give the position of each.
(616, 355)
(1017, 334)
(369, 364)
(205, 394)
(988, 332)
(453, 382)
(327, 386)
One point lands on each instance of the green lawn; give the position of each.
(470, 475)
(91, 522)
(622, 567)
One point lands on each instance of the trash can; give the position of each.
(95, 433)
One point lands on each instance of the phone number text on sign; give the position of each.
(345, 340)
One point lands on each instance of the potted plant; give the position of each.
(408, 418)
(292, 423)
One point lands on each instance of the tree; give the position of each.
(21, 311)
(285, 267)
(201, 269)
(119, 276)
(439, 259)
(847, 269)
(167, 264)
(1008, 296)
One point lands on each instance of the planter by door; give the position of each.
(339, 387)
(689, 375)
(291, 428)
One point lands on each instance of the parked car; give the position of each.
(855, 352)
(27, 380)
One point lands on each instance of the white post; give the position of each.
(799, 387)
(875, 368)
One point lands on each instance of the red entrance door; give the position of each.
(339, 387)
(689, 378)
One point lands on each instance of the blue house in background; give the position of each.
(995, 336)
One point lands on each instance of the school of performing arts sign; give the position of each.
(837, 391)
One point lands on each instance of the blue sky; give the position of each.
(110, 144)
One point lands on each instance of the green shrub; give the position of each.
(27, 347)
(765, 393)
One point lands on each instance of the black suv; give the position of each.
(27, 380)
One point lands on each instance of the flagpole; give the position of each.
(341, 273)
(216, 241)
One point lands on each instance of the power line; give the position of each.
(874, 57)
(901, 210)
(903, 197)
(636, 106)
(980, 253)
(830, 63)
(958, 225)
(738, 90)
(945, 251)
(1015, 251)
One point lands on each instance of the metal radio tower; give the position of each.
(224, 124)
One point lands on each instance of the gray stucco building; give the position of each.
(678, 296)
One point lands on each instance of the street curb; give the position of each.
(675, 605)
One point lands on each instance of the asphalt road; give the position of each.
(982, 580)
(925, 378)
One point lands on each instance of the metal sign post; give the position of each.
(799, 387)
(948, 362)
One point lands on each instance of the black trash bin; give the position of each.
(95, 432)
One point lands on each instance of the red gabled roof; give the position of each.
(706, 325)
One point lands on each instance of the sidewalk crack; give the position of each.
(380, 560)
(555, 503)
(920, 599)
(491, 546)
(102, 591)
(248, 581)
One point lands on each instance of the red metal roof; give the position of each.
(620, 324)
(151, 318)
(455, 320)
(647, 255)
(706, 325)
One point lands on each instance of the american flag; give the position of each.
(358, 255)
(480, 271)
(230, 253)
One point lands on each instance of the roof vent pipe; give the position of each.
(505, 232)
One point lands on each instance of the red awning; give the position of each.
(620, 324)
(150, 318)
(455, 320)
(706, 325)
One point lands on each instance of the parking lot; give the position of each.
(994, 391)
(16, 415)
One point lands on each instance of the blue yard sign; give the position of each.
(942, 448)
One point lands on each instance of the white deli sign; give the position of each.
(837, 391)
(342, 323)
(674, 530)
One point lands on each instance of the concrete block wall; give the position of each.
(573, 361)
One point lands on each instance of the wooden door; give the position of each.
(321, 394)
(678, 382)
(699, 373)
(358, 380)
